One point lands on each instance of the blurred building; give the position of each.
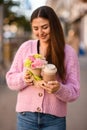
(12, 39)
(1, 32)
(73, 14)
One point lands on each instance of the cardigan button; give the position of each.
(38, 109)
(40, 94)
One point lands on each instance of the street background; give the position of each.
(15, 28)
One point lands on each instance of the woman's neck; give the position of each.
(43, 48)
(44, 44)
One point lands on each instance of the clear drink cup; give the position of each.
(49, 72)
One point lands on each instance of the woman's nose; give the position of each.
(40, 31)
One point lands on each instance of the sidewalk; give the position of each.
(7, 104)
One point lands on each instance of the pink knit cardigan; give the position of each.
(34, 99)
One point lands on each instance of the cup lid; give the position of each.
(50, 68)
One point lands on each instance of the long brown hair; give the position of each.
(57, 42)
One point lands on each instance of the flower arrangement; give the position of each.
(34, 64)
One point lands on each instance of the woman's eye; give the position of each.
(45, 27)
(35, 29)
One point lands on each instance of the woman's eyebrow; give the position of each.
(34, 26)
(41, 25)
(44, 25)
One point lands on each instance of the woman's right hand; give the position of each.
(39, 83)
(28, 78)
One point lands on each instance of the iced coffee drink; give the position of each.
(49, 72)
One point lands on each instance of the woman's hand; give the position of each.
(28, 78)
(39, 83)
(51, 86)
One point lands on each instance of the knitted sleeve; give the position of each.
(14, 76)
(70, 90)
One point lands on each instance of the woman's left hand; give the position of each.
(51, 86)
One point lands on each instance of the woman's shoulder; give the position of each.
(28, 43)
(70, 54)
(69, 50)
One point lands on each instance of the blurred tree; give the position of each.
(10, 17)
(1, 1)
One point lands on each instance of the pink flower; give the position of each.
(31, 58)
(35, 61)
(38, 63)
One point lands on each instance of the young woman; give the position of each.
(44, 107)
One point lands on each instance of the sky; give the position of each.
(27, 6)
(37, 3)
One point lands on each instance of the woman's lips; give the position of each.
(43, 37)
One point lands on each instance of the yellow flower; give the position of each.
(38, 56)
(27, 63)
